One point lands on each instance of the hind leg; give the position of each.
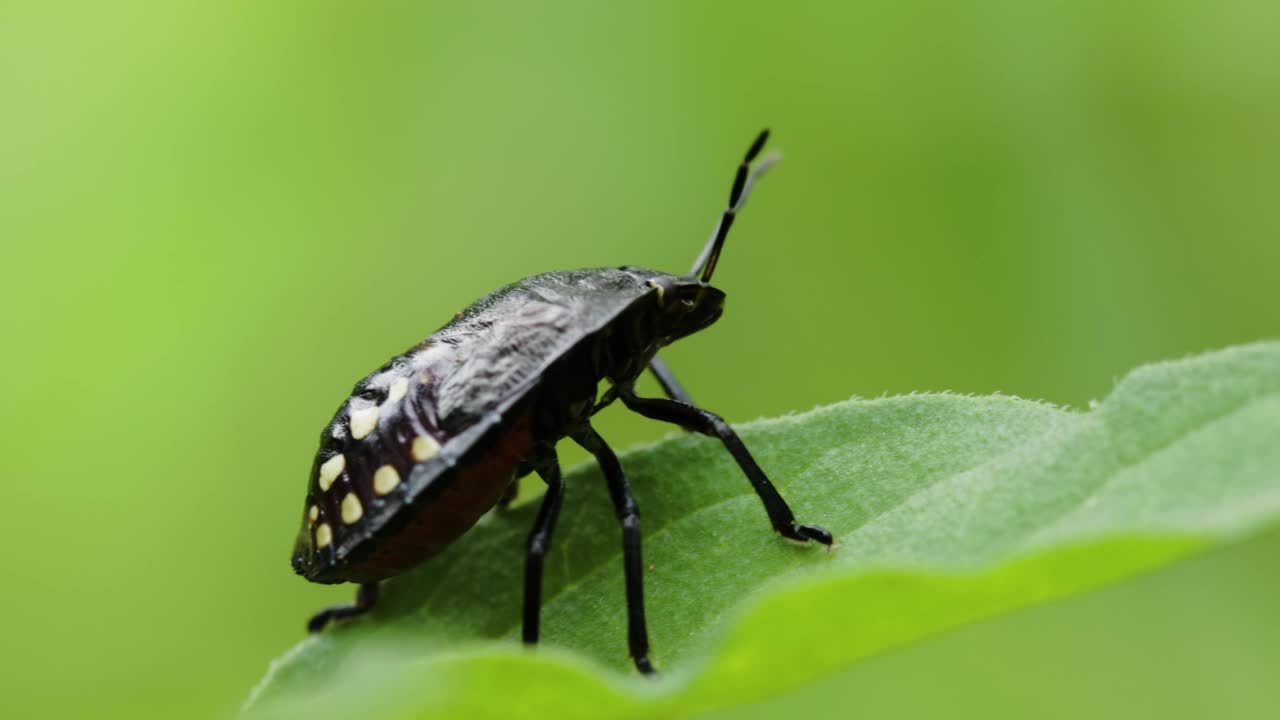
(366, 598)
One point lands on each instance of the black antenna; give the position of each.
(742, 182)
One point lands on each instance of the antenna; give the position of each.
(743, 180)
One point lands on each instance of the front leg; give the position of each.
(366, 598)
(708, 423)
(667, 379)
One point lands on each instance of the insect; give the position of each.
(439, 435)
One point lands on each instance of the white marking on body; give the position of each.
(324, 535)
(658, 287)
(424, 448)
(351, 508)
(313, 514)
(397, 391)
(385, 479)
(363, 422)
(330, 470)
(424, 377)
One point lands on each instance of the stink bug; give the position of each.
(439, 435)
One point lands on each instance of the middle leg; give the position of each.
(629, 516)
(548, 468)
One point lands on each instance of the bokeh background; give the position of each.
(215, 217)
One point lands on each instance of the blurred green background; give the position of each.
(215, 217)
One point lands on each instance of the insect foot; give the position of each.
(804, 533)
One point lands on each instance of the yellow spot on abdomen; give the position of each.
(424, 448)
(351, 508)
(330, 471)
(313, 514)
(363, 422)
(324, 535)
(385, 479)
(398, 388)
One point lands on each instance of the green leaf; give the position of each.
(947, 509)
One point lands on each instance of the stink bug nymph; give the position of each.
(438, 436)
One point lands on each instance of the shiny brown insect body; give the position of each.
(437, 437)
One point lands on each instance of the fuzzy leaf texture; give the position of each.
(947, 509)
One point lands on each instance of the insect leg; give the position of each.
(539, 542)
(629, 517)
(667, 380)
(509, 495)
(708, 423)
(366, 598)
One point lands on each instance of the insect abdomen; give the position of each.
(437, 519)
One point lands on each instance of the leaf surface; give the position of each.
(947, 509)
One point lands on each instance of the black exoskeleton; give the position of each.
(436, 437)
